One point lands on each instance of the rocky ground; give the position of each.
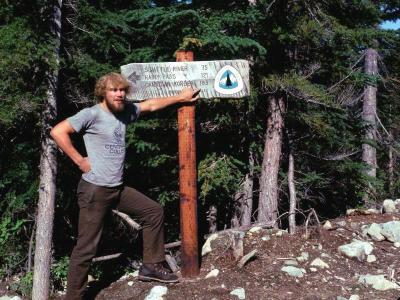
(307, 265)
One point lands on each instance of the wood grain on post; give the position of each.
(188, 182)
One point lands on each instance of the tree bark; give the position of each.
(391, 164)
(48, 173)
(369, 117)
(244, 198)
(247, 201)
(268, 201)
(212, 219)
(292, 196)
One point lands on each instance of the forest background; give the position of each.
(301, 133)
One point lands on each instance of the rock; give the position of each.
(354, 225)
(90, 278)
(303, 257)
(126, 276)
(281, 232)
(319, 263)
(389, 206)
(313, 269)
(207, 245)
(369, 211)
(212, 273)
(255, 229)
(294, 271)
(352, 297)
(371, 258)
(397, 204)
(157, 293)
(378, 282)
(340, 278)
(239, 292)
(391, 231)
(10, 298)
(356, 249)
(266, 238)
(327, 225)
(341, 223)
(374, 231)
(397, 245)
(373, 211)
(130, 283)
(291, 262)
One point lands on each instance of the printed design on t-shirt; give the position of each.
(117, 148)
(118, 136)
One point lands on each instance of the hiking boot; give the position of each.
(157, 272)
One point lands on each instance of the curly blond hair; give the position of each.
(113, 79)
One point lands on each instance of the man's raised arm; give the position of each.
(61, 135)
(186, 95)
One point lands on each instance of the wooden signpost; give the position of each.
(215, 79)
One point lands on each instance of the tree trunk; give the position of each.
(292, 196)
(369, 117)
(244, 198)
(48, 172)
(247, 201)
(268, 202)
(391, 164)
(212, 219)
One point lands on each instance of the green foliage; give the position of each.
(59, 272)
(21, 70)
(24, 285)
(299, 88)
(219, 177)
(8, 229)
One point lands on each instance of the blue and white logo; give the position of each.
(228, 81)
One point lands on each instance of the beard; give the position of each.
(115, 107)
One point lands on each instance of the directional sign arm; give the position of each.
(216, 79)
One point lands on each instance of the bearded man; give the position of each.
(101, 187)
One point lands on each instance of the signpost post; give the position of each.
(188, 182)
(215, 79)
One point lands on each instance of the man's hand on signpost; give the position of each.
(186, 95)
(189, 94)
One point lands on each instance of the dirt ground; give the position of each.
(262, 278)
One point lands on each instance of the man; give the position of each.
(101, 188)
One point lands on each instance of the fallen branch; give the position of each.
(112, 256)
(172, 245)
(106, 257)
(244, 228)
(127, 219)
(171, 262)
(246, 258)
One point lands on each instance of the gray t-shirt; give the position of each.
(104, 137)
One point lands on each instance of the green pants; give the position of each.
(94, 203)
